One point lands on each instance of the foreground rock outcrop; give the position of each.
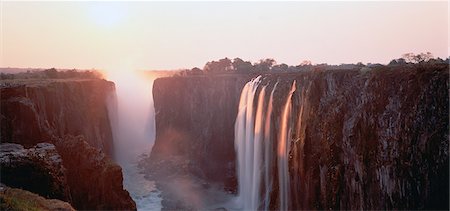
(13, 199)
(373, 139)
(96, 183)
(38, 169)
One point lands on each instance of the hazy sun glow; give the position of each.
(107, 15)
(172, 35)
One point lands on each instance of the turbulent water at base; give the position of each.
(133, 126)
(254, 147)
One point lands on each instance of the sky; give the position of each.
(175, 35)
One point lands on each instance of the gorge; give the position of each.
(355, 139)
(319, 139)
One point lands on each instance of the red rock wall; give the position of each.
(362, 139)
(34, 112)
(55, 111)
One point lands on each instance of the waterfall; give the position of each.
(254, 147)
(257, 145)
(244, 133)
(283, 152)
(268, 151)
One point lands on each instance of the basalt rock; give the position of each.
(38, 169)
(96, 183)
(361, 139)
(195, 122)
(44, 110)
(34, 111)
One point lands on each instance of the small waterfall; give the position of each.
(283, 152)
(254, 147)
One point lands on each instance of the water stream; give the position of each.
(133, 126)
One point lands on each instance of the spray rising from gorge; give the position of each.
(133, 127)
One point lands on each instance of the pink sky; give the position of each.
(155, 35)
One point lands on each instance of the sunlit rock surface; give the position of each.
(360, 139)
(376, 140)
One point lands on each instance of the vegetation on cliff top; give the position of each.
(237, 65)
(51, 73)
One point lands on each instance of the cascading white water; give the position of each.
(268, 151)
(133, 127)
(244, 133)
(283, 151)
(254, 146)
(257, 151)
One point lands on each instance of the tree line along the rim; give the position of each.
(238, 65)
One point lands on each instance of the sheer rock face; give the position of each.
(38, 169)
(195, 122)
(18, 199)
(34, 111)
(360, 139)
(96, 183)
(37, 111)
(375, 140)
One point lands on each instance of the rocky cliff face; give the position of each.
(374, 140)
(72, 115)
(360, 139)
(195, 122)
(34, 111)
(96, 183)
(38, 169)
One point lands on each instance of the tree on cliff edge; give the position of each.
(242, 66)
(223, 65)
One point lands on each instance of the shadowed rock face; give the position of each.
(195, 120)
(96, 183)
(37, 111)
(38, 169)
(361, 140)
(55, 111)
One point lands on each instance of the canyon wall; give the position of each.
(72, 115)
(371, 141)
(359, 139)
(195, 123)
(34, 111)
